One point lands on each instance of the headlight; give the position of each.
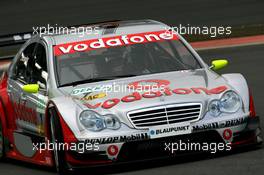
(214, 108)
(111, 122)
(230, 102)
(95, 122)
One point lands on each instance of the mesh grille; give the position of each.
(167, 114)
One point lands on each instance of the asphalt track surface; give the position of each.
(247, 60)
(21, 15)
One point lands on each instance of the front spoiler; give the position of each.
(250, 135)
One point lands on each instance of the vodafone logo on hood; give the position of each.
(154, 92)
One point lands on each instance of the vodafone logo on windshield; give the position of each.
(122, 40)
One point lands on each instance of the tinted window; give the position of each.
(20, 70)
(137, 59)
(31, 64)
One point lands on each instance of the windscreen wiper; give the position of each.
(75, 83)
(121, 76)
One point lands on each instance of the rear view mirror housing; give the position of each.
(31, 88)
(218, 64)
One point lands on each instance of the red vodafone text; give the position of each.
(122, 40)
(135, 96)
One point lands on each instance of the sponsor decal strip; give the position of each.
(135, 96)
(218, 125)
(122, 40)
(87, 90)
(24, 113)
(157, 132)
(117, 139)
(165, 131)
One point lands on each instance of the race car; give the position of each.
(132, 91)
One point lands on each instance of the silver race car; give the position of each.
(134, 90)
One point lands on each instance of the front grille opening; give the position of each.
(166, 114)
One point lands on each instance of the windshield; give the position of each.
(123, 61)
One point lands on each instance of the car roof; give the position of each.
(107, 29)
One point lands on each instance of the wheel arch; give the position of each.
(3, 99)
(3, 112)
(52, 109)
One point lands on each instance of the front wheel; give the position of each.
(2, 144)
(56, 139)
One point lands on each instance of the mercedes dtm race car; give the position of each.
(133, 91)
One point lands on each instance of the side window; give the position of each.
(40, 75)
(31, 67)
(20, 70)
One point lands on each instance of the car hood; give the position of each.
(191, 86)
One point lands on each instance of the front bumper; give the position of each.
(232, 134)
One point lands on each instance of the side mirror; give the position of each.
(31, 88)
(218, 64)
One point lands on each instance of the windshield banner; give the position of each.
(122, 40)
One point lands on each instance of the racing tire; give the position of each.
(2, 143)
(56, 136)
